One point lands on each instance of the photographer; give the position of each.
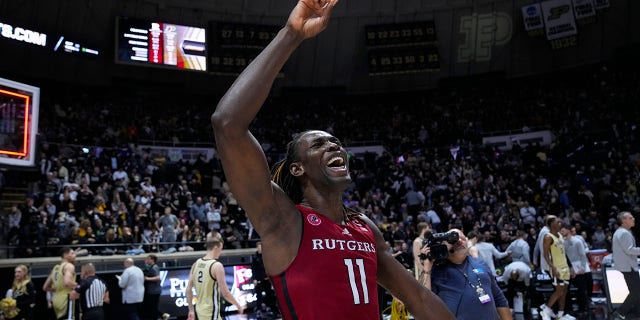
(464, 283)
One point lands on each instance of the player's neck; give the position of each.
(332, 209)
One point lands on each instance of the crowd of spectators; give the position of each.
(121, 200)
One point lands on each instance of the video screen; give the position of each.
(616, 287)
(19, 107)
(161, 44)
(173, 298)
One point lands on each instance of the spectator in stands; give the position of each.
(13, 225)
(431, 217)
(50, 208)
(528, 214)
(214, 216)
(147, 185)
(120, 175)
(198, 211)
(168, 223)
(63, 227)
(232, 237)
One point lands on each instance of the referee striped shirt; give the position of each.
(92, 291)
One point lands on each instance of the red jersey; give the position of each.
(334, 273)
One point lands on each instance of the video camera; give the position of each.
(435, 241)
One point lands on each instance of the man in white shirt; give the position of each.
(132, 283)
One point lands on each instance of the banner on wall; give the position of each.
(532, 17)
(583, 9)
(559, 20)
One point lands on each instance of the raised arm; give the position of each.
(245, 165)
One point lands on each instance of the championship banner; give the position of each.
(583, 9)
(602, 4)
(532, 17)
(559, 21)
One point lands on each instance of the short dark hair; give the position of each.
(549, 220)
(153, 257)
(64, 251)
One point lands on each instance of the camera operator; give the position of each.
(465, 284)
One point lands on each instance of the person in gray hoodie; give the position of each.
(625, 259)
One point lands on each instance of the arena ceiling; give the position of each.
(471, 37)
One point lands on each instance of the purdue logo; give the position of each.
(481, 33)
(557, 12)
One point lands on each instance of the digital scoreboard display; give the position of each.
(401, 34)
(19, 107)
(160, 44)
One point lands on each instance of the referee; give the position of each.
(92, 292)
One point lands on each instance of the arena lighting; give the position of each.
(19, 107)
(26, 124)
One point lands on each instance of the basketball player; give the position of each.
(554, 254)
(207, 276)
(318, 253)
(61, 281)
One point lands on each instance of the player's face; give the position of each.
(70, 256)
(323, 158)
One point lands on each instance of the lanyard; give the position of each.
(477, 288)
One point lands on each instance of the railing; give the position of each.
(121, 248)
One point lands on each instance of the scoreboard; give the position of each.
(242, 35)
(234, 45)
(402, 48)
(401, 34)
(403, 60)
(157, 43)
